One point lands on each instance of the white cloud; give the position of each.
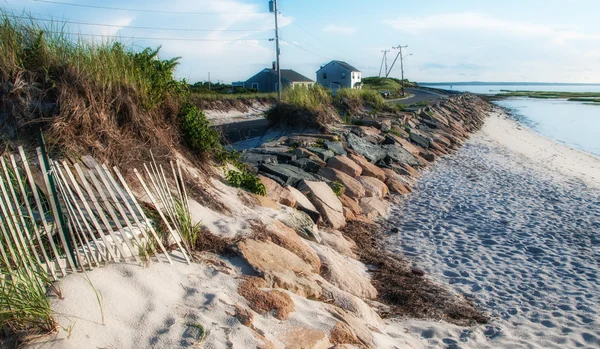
(339, 29)
(481, 21)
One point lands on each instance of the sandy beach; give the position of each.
(510, 221)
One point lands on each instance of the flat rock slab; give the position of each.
(353, 188)
(367, 149)
(322, 153)
(304, 205)
(373, 186)
(336, 147)
(368, 169)
(326, 202)
(308, 165)
(345, 164)
(397, 153)
(267, 257)
(289, 175)
(254, 159)
(282, 153)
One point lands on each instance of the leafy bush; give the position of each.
(196, 130)
(337, 187)
(246, 180)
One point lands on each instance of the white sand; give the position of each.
(512, 221)
(559, 157)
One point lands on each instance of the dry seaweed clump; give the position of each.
(405, 289)
(262, 302)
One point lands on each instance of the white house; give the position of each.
(339, 74)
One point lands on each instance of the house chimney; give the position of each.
(274, 65)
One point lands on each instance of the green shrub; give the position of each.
(246, 180)
(196, 130)
(337, 187)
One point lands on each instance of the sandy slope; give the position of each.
(568, 161)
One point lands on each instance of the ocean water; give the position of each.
(576, 124)
(520, 241)
(493, 89)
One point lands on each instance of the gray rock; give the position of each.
(420, 140)
(254, 159)
(290, 175)
(324, 154)
(307, 165)
(336, 147)
(303, 224)
(398, 154)
(367, 149)
(281, 153)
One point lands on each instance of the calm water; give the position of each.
(575, 124)
(493, 89)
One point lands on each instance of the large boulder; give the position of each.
(308, 165)
(326, 202)
(369, 150)
(336, 147)
(351, 204)
(397, 153)
(347, 274)
(373, 187)
(282, 153)
(280, 267)
(303, 225)
(336, 240)
(290, 175)
(304, 205)
(353, 188)
(254, 159)
(396, 183)
(373, 207)
(323, 154)
(345, 164)
(420, 139)
(368, 169)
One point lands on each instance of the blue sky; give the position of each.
(509, 40)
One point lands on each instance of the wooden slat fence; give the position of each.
(65, 217)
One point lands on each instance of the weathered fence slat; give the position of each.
(41, 212)
(55, 212)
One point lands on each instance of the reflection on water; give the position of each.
(576, 124)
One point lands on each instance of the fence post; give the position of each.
(58, 215)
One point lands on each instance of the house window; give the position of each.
(324, 75)
(255, 85)
(343, 75)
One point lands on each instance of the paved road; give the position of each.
(419, 95)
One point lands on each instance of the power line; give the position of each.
(304, 49)
(136, 27)
(147, 10)
(315, 36)
(153, 38)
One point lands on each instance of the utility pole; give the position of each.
(384, 58)
(400, 47)
(209, 81)
(273, 8)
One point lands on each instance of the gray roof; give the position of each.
(291, 75)
(346, 65)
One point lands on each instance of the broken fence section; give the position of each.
(65, 218)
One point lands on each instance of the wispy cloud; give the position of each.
(339, 29)
(482, 21)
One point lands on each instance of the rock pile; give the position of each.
(367, 162)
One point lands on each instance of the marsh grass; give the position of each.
(190, 231)
(25, 310)
(88, 96)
